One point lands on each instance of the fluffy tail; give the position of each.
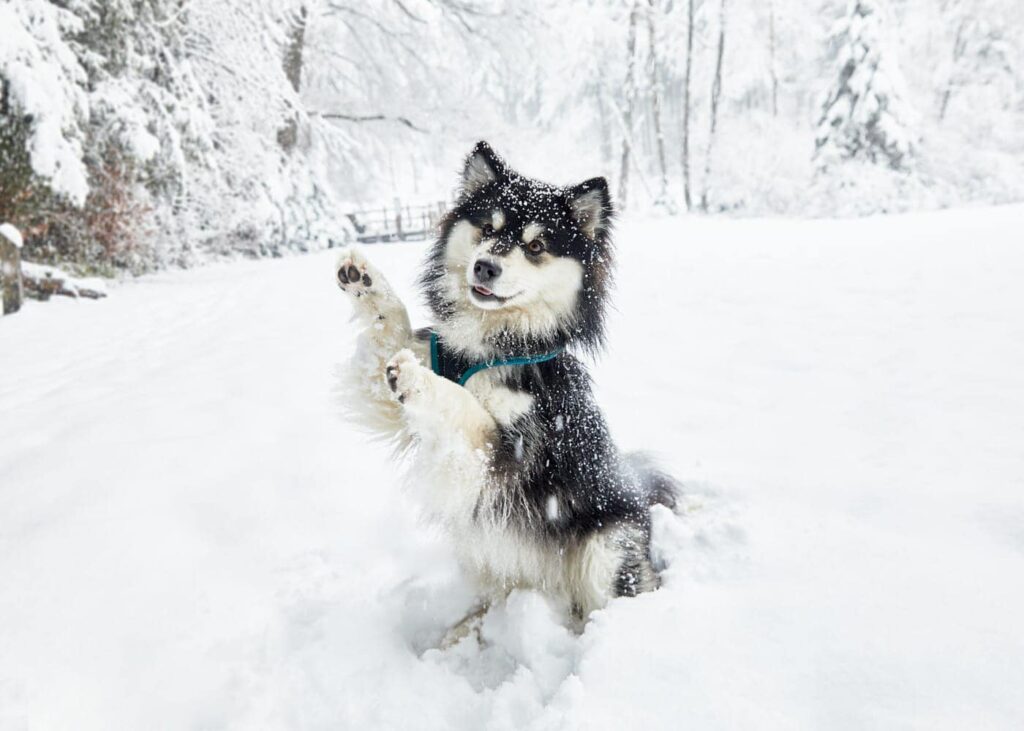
(659, 486)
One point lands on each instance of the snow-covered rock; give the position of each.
(42, 281)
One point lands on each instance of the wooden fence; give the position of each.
(397, 223)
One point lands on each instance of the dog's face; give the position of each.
(521, 257)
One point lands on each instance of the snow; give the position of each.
(12, 234)
(192, 537)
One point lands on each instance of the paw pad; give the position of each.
(353, 273)
(403, 373)
(348, 274)
(391, 373)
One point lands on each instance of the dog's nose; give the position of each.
(486, 271)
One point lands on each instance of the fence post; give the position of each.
(10, 268)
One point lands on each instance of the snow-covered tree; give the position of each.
(141, 133)
(43, 107)
(982, 54)
(865, 115)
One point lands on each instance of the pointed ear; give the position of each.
(591, 206)
(482, 167)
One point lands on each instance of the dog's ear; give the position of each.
(482, 167)
(591, 206)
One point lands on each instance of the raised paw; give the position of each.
(405, 375)
(354, 273)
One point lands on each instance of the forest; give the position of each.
(143, 134)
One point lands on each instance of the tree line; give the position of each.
(144, 133)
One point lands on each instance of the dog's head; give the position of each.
(520, 262)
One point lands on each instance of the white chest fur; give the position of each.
(504, 404)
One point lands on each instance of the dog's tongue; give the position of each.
(483, 290)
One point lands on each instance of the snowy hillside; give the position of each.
(191, 536)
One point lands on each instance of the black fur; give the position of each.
(562, 447)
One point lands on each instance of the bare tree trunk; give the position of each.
(716, 93)
(627, 112)
(688, 196)
(607, 151)
(958, 52)
(656, 90)
(771, 58)
(288, 136)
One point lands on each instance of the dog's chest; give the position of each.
(501, 402)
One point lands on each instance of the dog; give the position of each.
(509, 452)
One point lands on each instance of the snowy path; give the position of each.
(191, 537)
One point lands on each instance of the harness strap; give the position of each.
(435, 361)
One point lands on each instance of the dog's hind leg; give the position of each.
(614, 562)
(468, 625)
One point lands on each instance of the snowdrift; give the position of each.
(191, 536)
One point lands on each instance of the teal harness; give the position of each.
(440, 365)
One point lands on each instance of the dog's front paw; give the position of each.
(355, 275)
(406, 376)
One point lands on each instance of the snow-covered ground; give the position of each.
(192, 537)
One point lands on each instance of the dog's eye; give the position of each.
(535, 247)
(487, 230)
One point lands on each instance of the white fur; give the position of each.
(592, 575)
(542, 296)
(453, 435)
(532, 231)
(504, 404)
(384, 330)
(502, 559)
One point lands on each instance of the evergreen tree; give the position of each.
(865, 116)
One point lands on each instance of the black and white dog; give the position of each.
(510, 452)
